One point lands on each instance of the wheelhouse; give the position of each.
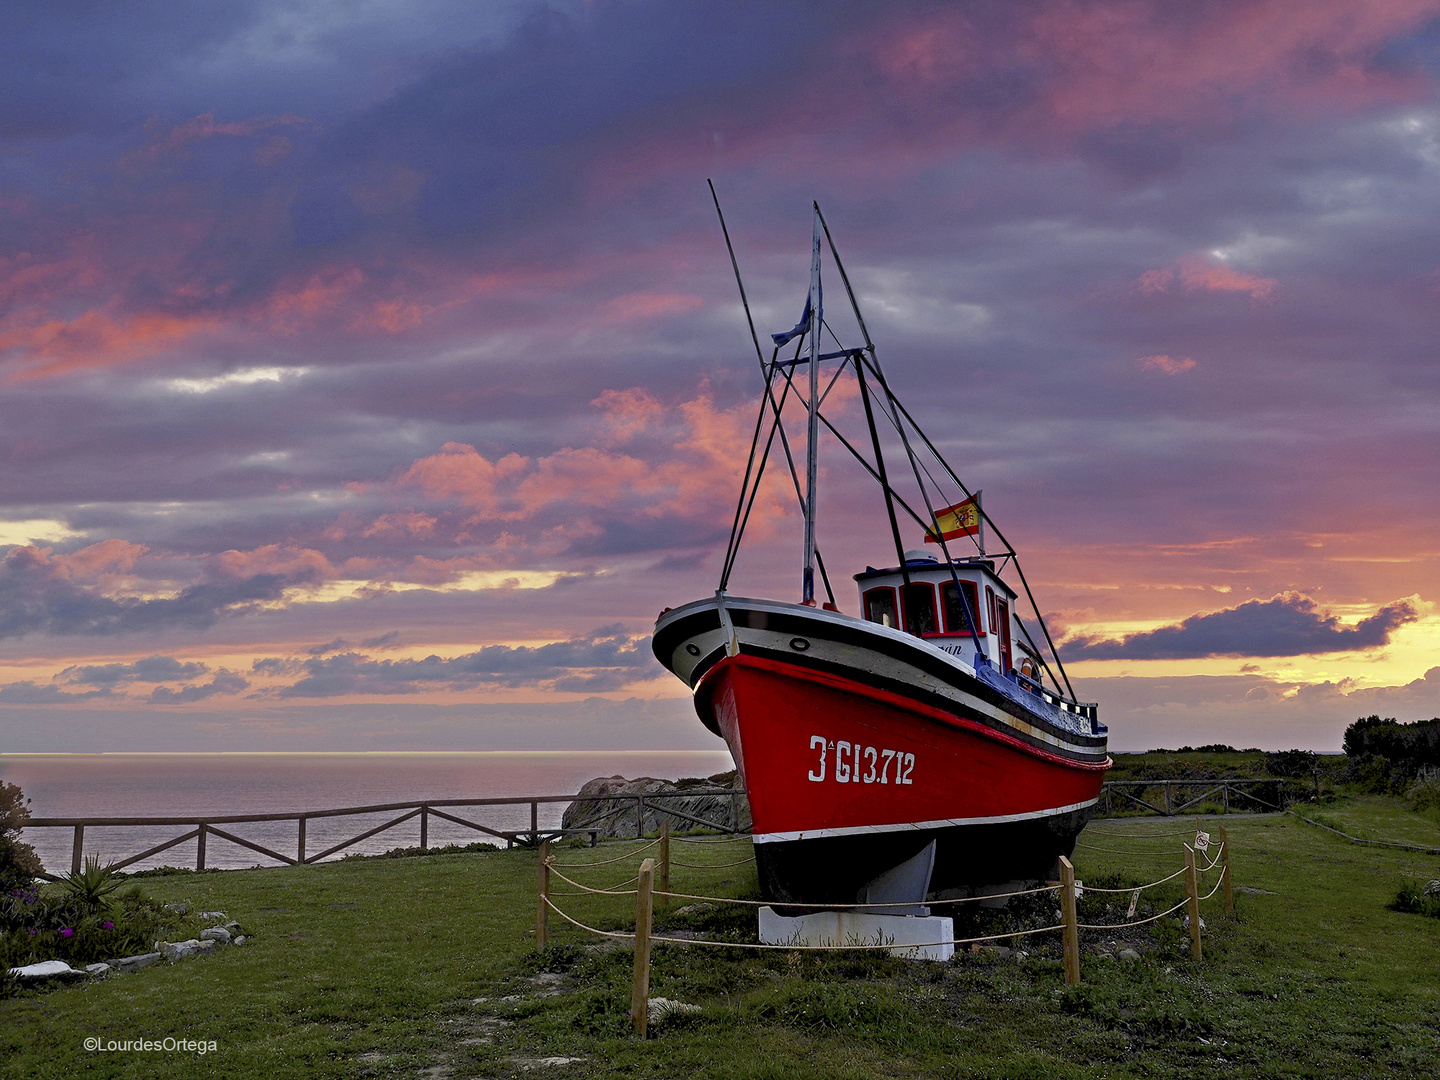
(931, 606)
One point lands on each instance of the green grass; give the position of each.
(426, 967)
(1376, 817)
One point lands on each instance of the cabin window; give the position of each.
(919, 598)
(990, 607)
(954, 616)
(880, 606)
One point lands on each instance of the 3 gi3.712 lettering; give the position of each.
(856, 763)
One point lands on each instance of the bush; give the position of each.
(38, 926)
(1424, 794)
(19, 865)
(1420, 898)
(1292, 763)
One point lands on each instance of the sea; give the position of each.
(192, 785)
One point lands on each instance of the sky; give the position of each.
(371, 374)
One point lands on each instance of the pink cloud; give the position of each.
(689, 470)
(290, 562)
(1170, 365)
(93, 563)
(1199, 274)
(205, 126)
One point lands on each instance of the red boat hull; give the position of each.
(846, 780)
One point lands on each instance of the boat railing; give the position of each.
(1087, 709)
(631, 809)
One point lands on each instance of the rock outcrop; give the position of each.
(613, 813)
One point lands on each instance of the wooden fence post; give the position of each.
(200, 848)
(1165, 791)
(75, 852)
(534, 822)
(542, 905)
(424, 826)
(1192, 903)
(1225, 871)
(639, 817)
(644, 909)
(664, 858)
(300, 841)
(1071, 921)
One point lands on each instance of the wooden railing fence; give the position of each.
(203, 827)
(1177, 796)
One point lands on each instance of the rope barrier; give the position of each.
(614, 890)
(807, 948)
(1136, 888)
(1141, 922)
(1069, 889)
(606, 862)
(1122, 851)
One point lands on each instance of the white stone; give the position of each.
(97, 969)
(45, 969)
(216, 933)
(208, 915)
(182, 950)
(912, 937)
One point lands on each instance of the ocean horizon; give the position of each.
(132, 784)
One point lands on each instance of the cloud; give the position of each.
(604, 660)
(149, 669)
(1286, 625)
(224, 682)
(1198, 274)
(38, 596)
(1170, 365)
(31, 693)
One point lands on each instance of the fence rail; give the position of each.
(1177, 796)
(201, 827)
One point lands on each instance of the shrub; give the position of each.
(1420, 898)
(1424, 793)
(19, 865)
(91, 887)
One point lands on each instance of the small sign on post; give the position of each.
(1202, 841)
(1071, 922)
(644, 910)
(542, 907)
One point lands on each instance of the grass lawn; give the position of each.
(426, 967)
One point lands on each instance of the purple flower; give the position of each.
(107, 925)
(66, 931)
(31, 931)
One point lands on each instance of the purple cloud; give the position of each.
(1289, 625)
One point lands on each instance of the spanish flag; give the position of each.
(962, 519)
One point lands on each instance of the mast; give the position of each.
(807, 585)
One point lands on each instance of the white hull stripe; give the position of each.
(917, 826)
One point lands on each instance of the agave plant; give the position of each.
(91, 886)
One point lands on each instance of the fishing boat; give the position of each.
(929, 746)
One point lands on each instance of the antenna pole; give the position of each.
(807, 585)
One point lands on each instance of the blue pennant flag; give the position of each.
(800, 327)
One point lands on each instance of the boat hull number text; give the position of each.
(845, 762)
